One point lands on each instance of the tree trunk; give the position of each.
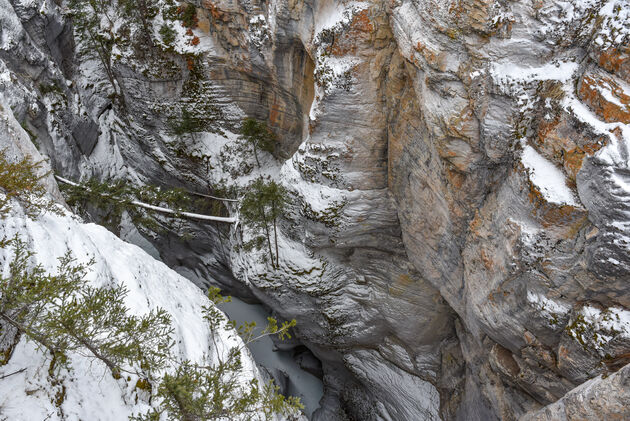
(273, 265)
(36, 336)
(256, 156)
(275, 232)
(262, 211)
(90, 346)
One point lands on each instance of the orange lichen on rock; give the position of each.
(361, 22)
(215, 12)
(435, 60)
(616, 60)
(486, 258)
(606, 98)
(564, 220)
(473, 13)
(476, 223)
(361, 29)
(559, 142)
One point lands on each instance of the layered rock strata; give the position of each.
(457, 243)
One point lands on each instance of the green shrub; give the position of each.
(189, 16)
(21, 181)
(259, 135)
(168, 35)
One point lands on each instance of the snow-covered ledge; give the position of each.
(90, 388)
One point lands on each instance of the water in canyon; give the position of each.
(300, 383)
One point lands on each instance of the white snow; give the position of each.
(599, 327)
(90, 389)
(547, 306)
(320, 197)
(614, 29)
(608, 96)
(504, 73)
(336, 12)
(332, 72)
(548, 178)
(615, 152)
(258, 31)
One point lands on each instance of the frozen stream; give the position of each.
(307, 387)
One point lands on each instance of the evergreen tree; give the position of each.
(62, 313)
(197, 392)
(168, 35)
(21, 181)
(189, 16)
(87, 17)
(187, 124)
(141, 12)
(259, 135)
(263, 204)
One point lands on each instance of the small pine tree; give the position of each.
(189, 16)
(195, 392)
(259, 135)
(21, 181)
(63, 313)
(186, 124)
(263, 204)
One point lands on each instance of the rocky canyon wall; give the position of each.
(457, 241)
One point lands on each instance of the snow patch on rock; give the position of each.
(549, 179)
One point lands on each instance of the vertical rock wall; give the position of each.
(456, 246)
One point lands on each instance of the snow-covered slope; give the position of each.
(90, 390)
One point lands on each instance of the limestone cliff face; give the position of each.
(457, 245)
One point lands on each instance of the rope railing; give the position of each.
(227, 220)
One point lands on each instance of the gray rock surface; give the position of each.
(598, 398)
(457, 243)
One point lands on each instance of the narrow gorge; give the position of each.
(454, 236)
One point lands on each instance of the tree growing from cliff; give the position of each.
(141, 12)
(259, 136)
(186, 124)
(108, 27)
(62, 313)
(189, 15)
(262, 205)
(150, 207)
(216, 391)
(93, 22)
(21, 180)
